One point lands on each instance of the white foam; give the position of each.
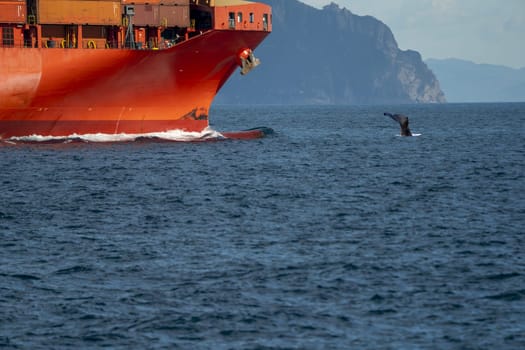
(171, 135)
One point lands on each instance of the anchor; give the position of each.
(248, 61)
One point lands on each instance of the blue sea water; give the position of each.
(332, 233)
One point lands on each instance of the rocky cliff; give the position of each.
(331, 56)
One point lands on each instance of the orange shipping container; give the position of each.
(146, 15)
(171, 16)
(162, 15)
(13, 11)
(79, 12)
(156, 2)
(140, 2)
(175, 2)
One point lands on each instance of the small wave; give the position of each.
(502, 276)
(412, 135)
(509, 296)
(73, 269)
(207, 134)
(382, 311)
(25, 276)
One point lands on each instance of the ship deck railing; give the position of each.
(87, 44)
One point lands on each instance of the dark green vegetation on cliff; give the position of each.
(331, 56)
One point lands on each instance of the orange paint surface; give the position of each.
(63, 91)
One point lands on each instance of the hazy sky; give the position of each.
(482, 31)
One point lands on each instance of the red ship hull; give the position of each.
(61, 92)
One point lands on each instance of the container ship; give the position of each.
(73, 67)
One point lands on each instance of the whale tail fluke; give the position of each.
(403, 123)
